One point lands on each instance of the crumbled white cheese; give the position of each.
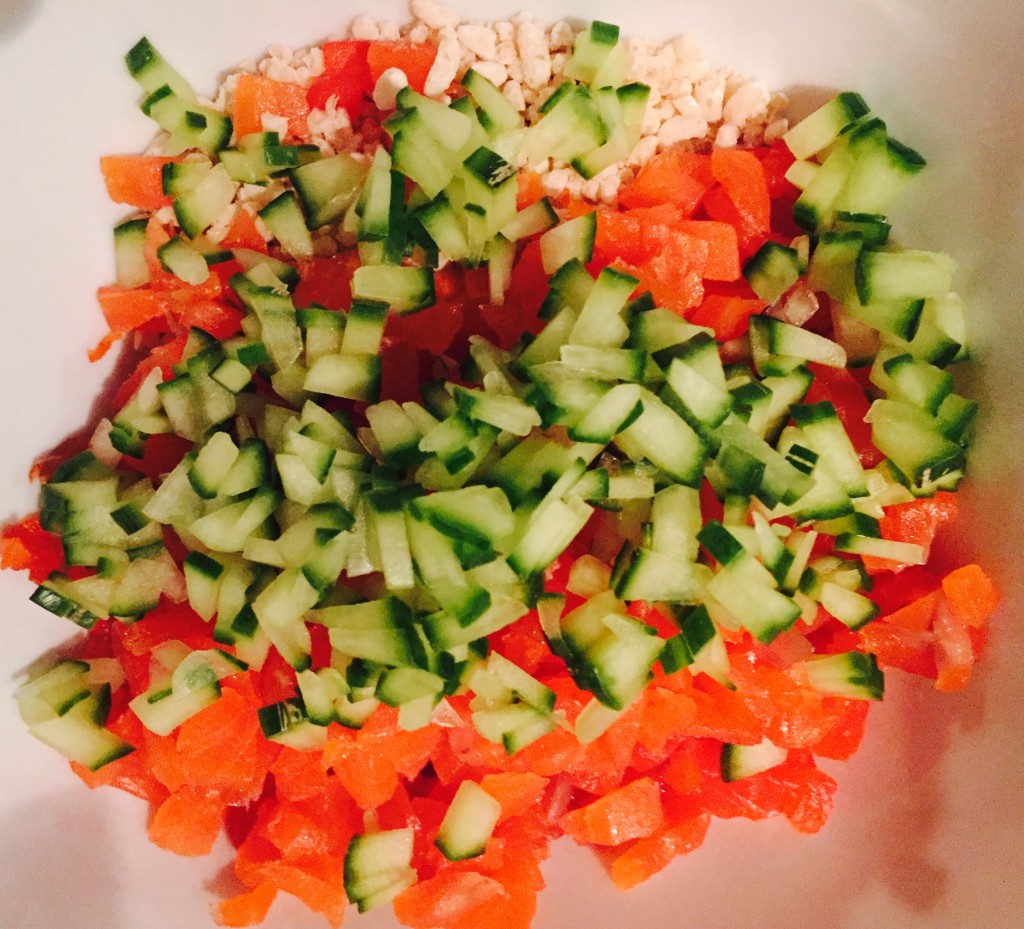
(505, 31)
(271, 122)
(419, 33)
(222, 224)
(494, 71)
(561, 36)
(256, 196)
(532, 44)
(364, 27)
(387, 88)
(446, 65)
(281, 64)
(747, 103)
(709, 92)
(643, 151)
(681, 128)
(166, 216)
(727, 136)
(433, 14)
(505, 49)
(478, 40)
(330, 129)
(513, 92)
(559, 180)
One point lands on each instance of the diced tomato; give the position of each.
(196, 756)
(163, 356)
(954, 649)
(776, 159)
(168, 621)
(136, 180)
(414, 58)
(728, 314)
(448, 900)
(897, 646)
(619, 235)
(971, 595)
(675, 275)
(215, 317)
(723, 714)
(530, 188)
(915, 522)
(346, 77)
(918, 614)
(666, 716)
(742, 177)
(635, 236)
(430, 330)
(518, 793)
(844, 738)
(685, 829)
(242, 233)
(673, 176)
(124, 310)
(188, 822)
(257, 96)
(248, 908)
(723, 262)
(841, 388)
(327, 282)
(26, 546)
(276, 681)
(161, 453)
(631, 812)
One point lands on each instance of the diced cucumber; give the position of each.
(201, 206)
(404, 289)
(740, 761)
(79, 733)
(328, 187)
(283, 217)
(571, 239)
(822, 127)
(468, 823)
(772, 270)
(378, 867)
(854, 675)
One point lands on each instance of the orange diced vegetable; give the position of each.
(257, 96)
(136, 180)
(631, 812)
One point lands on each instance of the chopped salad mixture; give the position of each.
(530, 434)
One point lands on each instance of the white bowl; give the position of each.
(926, 833)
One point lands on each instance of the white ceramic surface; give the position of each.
(926, 834)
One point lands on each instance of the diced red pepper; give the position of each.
(346, 77)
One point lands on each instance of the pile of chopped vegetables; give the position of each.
(518, 517)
